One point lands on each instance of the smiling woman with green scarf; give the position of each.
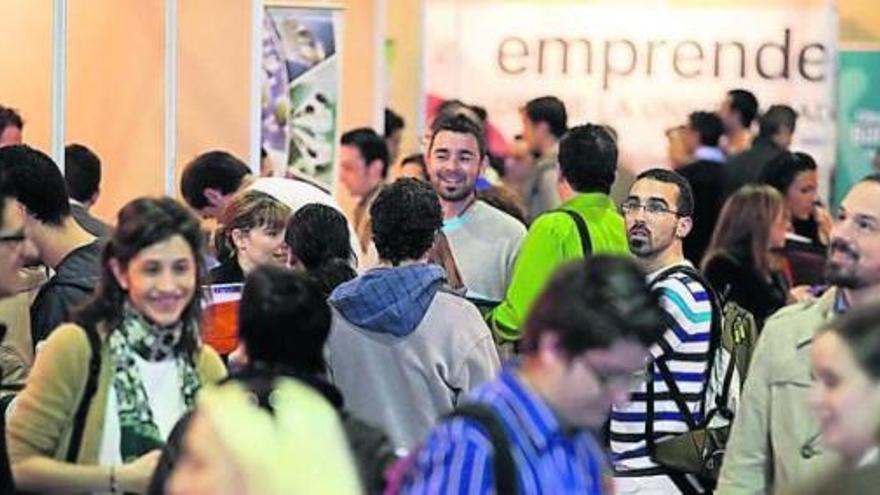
(94, 425)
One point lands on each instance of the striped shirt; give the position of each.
(685, 348)
(457, 457)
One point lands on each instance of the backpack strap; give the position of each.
(79, 419)
(504, 466)
(583, 232)
(715, 331)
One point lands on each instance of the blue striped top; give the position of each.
(685, 348)
(457, 457)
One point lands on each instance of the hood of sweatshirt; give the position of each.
(389, 300)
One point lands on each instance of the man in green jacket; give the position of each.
(775, 445)
(587, 166)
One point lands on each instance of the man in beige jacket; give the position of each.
(775, 444)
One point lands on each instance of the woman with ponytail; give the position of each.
(318, 240)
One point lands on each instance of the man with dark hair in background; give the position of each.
(585, 340)
(706, 177)
(11, 126)
(394, 125)
(775, 133)
(544, 122)
(587, 166)
(402, 349)
(484, 240)
(60, 242)
(82, 172)
(210, 181)
(738, 109)
(363, 166)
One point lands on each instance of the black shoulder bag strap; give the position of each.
(79, 420)
(583, 232)
(716, 326)
(504, 466)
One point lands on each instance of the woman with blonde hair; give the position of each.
(105, 392)
(742, 262)
(251, 234)
(285, 440)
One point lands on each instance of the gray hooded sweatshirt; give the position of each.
(402, 351)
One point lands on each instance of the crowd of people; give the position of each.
(540, 322)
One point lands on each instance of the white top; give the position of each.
(485, 242)
(296, 194)
(163, 386)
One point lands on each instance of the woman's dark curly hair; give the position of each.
(140, 224)
(405, 217)
(318, 237)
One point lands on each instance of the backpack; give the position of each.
(700, 451)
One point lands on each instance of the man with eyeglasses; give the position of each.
(658, 213)
(12, 366)
(531, 429)
(11, 243)
(775, 445)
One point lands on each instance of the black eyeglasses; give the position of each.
(651, 208)
(16, 237)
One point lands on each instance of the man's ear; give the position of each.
(375, 169)
(548, 347)
(214, 197)
(120, 274)
(683, 227)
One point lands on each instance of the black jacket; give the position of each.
(707, 181)
(74, 282)
(89, 223)
(227, 272)
(744, 168)
(734, 277)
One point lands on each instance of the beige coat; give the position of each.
(41, 419)
(775, 443)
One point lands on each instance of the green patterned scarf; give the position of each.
(135, 335)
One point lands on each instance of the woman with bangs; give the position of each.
(252, 234)
(105, 391)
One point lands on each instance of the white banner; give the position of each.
(638, 69)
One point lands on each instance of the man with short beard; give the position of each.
(484, 240)
(659, 214)
(775, 445)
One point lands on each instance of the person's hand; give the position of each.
(238, 359)
(135, 476)
(823, 218)
(800, 293)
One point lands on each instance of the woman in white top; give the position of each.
(89, 422)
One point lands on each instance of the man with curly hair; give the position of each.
(403, 350)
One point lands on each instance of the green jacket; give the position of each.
(41, 419)
(551, 241)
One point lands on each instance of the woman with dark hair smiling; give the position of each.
(106, 390)
(794, 176)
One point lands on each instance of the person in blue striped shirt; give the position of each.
(585, 341)
(658, 213)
